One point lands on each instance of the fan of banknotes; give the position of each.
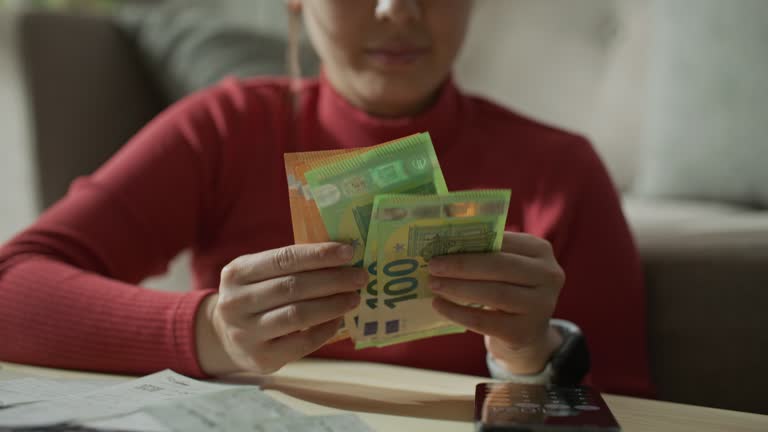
(392, 204)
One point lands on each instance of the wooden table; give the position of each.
(391, 398)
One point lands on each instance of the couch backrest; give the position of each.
(576, 64)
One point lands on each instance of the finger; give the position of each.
(525, 244)
(497, 295)
(263, 296)
(302, 315)
(296, 345)
(514, 329)
(284, 261)
(500, 267)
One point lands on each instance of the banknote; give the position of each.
(307, 225)
(409, 231)
(344, 190)
(369, 297)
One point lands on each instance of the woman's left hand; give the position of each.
(518, 288)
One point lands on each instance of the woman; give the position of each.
(208, 175)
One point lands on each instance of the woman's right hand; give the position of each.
(276, 306)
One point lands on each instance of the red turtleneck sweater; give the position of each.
(208, 175)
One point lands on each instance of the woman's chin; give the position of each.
(395, 107)
(397, 98)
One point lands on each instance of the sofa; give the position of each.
(74, 88)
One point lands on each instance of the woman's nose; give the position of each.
(398, 11)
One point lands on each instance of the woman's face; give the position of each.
(387, 57)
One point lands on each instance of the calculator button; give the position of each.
(561, 413)
(587, 407)
(527, 405)
(501, 400)
(557, 406)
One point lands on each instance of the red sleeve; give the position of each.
(604, 292)
(68, 293)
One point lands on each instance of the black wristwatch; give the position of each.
(568, 365)
(571, 362)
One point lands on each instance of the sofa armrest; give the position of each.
(88, 91)
(706, 276)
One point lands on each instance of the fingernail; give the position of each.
(434, 284)
(354, 300)
(436, 266)
(361, 277)
(346, 252)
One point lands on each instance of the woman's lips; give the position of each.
(396, 56)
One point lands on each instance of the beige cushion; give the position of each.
(708, 92)
(576, 64)
(18, 205)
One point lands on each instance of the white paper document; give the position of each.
(237, 409)
(331, 423)
(25, 390)
(136, 422)
(162, 402)
(111, 401)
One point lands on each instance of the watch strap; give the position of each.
(571, 362)
(499, 372)
(568, 365)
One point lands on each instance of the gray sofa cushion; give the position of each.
(191, 45)
(708, 128)
(706, 271)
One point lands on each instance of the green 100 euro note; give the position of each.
(409, 231)
(344, 190)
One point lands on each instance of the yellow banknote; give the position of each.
(410, 231)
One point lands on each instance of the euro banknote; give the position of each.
(308, 226)
(408, 231)
(344, 190)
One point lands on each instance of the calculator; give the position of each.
(511, 407)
